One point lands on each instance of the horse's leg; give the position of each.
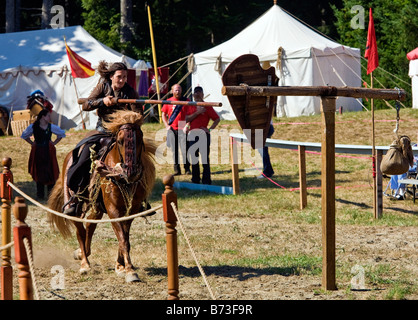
(123, 262)
(90, 228)
(81, 253)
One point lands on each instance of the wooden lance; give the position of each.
(142, 101)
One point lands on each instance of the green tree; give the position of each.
(395, 26)
(102, 21)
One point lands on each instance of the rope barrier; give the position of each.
(7, 246)
(192, 251)
(141, 214)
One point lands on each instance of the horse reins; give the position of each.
(131, 162)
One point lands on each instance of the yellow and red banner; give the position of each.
(80, 67)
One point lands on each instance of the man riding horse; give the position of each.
(112, 84)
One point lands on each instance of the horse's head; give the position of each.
(126, 127)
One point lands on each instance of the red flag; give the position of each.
(80, 67)
(371, 47)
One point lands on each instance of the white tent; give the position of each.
(301, 56)
(413, 73)
(38, 60)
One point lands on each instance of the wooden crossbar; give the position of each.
(322, 91)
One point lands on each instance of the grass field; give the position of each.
(258, 245)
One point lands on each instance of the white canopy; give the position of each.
(301, 56)
(38, 60)
(413, 73)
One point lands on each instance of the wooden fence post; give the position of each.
(379, 189)
(328, 192)
(302, 177)
(170, 220)
(234, 164)
(6, 197)
(21, 231)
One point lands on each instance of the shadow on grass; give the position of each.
(240, 273)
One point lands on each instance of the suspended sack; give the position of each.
(399, 157)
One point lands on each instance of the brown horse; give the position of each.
(120, 184)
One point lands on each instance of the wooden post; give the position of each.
(328, 192)
(375, 214)
(6, 197)
(21, 231)
(170, 220)
(234, 164)
(379, 188)
(302, 177)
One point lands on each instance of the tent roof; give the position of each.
(274, 29)
(45, 49)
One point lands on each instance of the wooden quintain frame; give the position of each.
(328, 96)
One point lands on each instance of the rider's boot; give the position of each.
(73, 208)
(149, 207)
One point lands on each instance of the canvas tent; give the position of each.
(413, 73)
(38, 60)
(301, 56)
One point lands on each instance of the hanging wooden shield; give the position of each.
(252, 112)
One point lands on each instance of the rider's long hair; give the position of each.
(107, 71)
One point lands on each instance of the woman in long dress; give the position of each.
(42, 164)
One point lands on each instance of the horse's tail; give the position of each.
(56, 202)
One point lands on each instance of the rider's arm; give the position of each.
(95, 99)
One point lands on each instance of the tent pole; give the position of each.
(76, 93)
(154, 58)
(62, 98)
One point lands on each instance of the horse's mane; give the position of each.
(113, 124)
(148, 163)
(121, 117)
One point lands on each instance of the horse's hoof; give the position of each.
(132, 277)
(120, 271)
(77, 254)
(84, 270)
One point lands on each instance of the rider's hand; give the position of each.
(108, 101)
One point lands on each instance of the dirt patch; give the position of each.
(372, 248)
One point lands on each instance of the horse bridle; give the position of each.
(131, 162)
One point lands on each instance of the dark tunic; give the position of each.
(43, 165)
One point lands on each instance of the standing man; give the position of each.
(197, 119)
(175, 137)
(268, 171)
